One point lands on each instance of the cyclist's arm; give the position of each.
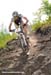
(10, 25)
(26, 19)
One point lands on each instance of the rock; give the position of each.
(29, 69)
(40, 58)
(37, 63)
(40, 47)
(13, 41)
(38, 72)
(46, 69)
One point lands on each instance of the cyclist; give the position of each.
(18, 20)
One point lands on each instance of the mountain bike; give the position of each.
(22, 38)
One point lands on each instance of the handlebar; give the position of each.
(15, 30)
(12, 30)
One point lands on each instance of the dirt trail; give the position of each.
(36, 63)
(11, 56)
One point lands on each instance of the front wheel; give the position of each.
(24, 44)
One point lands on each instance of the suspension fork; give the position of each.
(24, 39)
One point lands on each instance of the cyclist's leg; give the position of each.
(25, 28)
(16, 26)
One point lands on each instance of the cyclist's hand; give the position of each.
(12, 30)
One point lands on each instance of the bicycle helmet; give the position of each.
(15, 13)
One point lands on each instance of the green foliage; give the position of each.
(44, 9)
(4, 38)
(36, 25)
(41, 24)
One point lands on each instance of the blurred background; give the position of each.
(37, 11)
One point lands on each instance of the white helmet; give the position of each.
(15, 13)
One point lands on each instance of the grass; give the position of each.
(36, 26)
(41, 24)
(4, 38)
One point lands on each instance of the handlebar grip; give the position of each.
(12, 30)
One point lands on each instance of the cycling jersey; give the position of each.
(18, 21)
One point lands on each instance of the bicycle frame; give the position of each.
(23, 40)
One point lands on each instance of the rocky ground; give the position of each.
(38, 62)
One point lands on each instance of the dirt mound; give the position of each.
(38, 62)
